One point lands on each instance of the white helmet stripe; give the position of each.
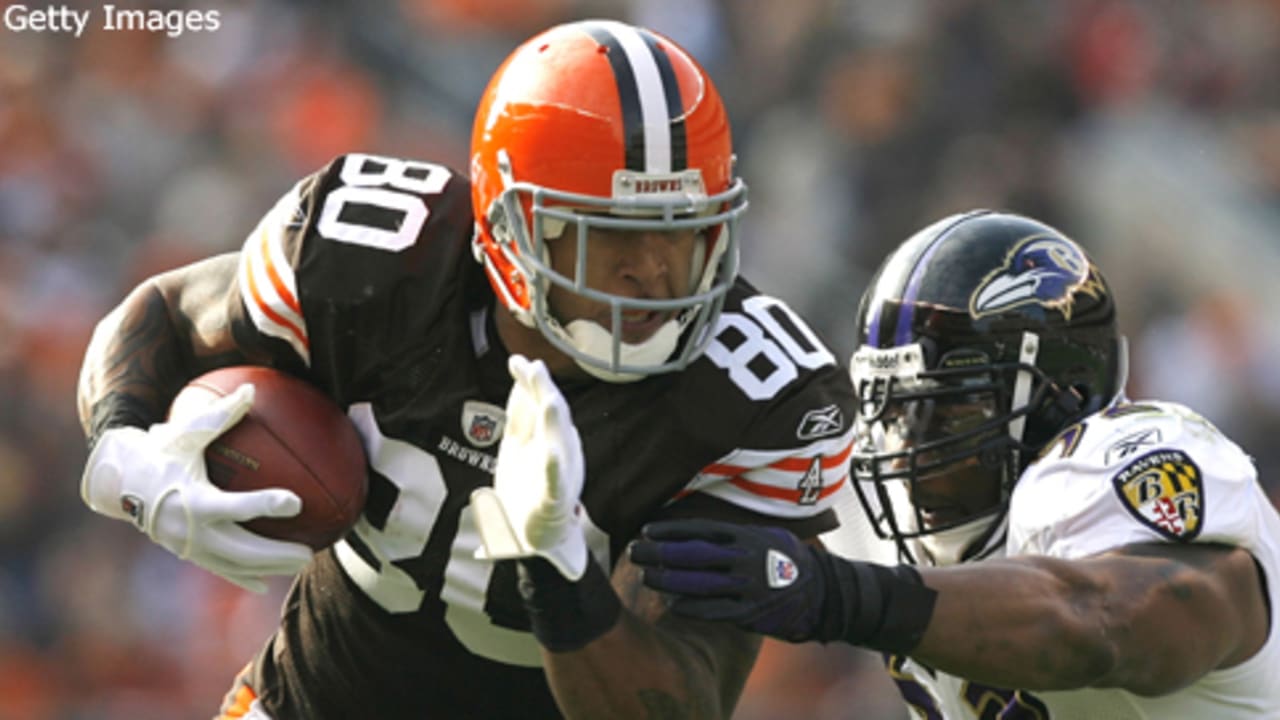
(650, 93)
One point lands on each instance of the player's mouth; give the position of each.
(640, 325)
(941, 516)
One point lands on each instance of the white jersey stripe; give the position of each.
(781, 482)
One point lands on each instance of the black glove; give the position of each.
(761, 578)
(765, 580)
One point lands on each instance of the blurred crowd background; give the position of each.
(1147, 130)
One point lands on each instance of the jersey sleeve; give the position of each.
(1136, 473)
(784, 408)
(345, 267)
(267, 280)
(797, 483)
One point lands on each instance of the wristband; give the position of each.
(874, 606)
(567, 614)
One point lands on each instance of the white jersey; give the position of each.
(931, 695)
(1134, 473)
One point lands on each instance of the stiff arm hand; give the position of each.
(764, 579)
(532, 508)
(157, 479)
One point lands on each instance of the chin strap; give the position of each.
(594, 341)
(957, 544)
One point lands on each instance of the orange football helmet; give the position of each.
(602, 124)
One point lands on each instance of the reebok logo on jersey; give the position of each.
(820, 423)
(1132, 444)
(1164, 490)
(482, 422)
(781, 570)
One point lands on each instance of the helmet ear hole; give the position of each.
(1072, 400)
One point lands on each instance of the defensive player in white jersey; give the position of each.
(1065, 553)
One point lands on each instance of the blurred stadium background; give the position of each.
(1148, 130)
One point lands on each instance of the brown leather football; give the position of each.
(293, 437)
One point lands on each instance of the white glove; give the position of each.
(532, 508)
(157, 479)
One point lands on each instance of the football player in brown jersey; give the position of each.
(653, 383)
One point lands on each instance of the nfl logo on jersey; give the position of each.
(481, 430)
(482, 422)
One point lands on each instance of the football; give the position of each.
(293, 437)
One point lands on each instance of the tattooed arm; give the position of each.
(170, 329)
(653, 664)
(149, 470)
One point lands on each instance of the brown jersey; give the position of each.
(362, 280)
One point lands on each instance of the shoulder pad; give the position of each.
(1133, 472)
(1108, 439)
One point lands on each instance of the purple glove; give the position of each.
(762, 579)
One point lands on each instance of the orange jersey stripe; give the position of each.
(275, 316)
(276, 280)
(238, 701)
(795, 464)
(789, 464)
(773, 491)
(768, 490)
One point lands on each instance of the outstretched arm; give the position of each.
(1148, 618)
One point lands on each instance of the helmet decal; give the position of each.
(652, 113)
(1042, 269)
